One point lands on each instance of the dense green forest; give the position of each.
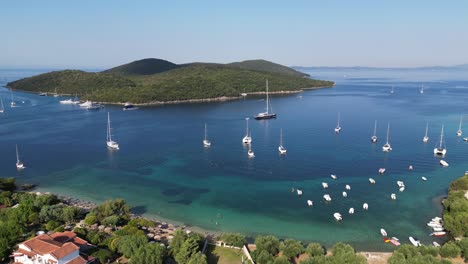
(154, 80)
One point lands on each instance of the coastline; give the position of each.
(202, 100)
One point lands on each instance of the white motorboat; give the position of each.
(441, 150)
(129, 106)
(438, 229)
(247, 139)
(387, 147)
(465, 139)
(86, 104)
(310, 203)
(324, 185)
(426, 137)
(110, 143)
(400, 184)
(443, 163)
(424, 178)
(337, 216)
(299, 192)
(19, 164)
(267, 114)
(206, 142)
(365, 206)
(67, 101)
(393, 196)
(410, 167)
(383, 232)
(327, 197)
(347, 187)
(282, 150)
(374, 136)
(440, 233)
(345, 194)
(338, 127)
(243, 94)
(415, 241)
(333, 176)
(434, 224)
(437, 219)
(351, 210)
(459, 131)
(382, 170)
(435, 244)
(402, 189)
(371, 180)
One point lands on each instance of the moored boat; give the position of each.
(310, 203)
(129, 106)
(365, 206)
(337, 216)
(435, 244)
(439, 233)
(424, 178)
(351, 210)
(441, 150)
(372, 181)
(267, 114)
(347, 187)
(415, 241)
(324, 185)
(327, 197)
(443, 163)
(383, 232)
(333, 176)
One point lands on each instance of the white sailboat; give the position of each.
(426, 138)
(387, 147)
(206, 142)
(374, 137)
(110, 143)
(421, 91)
(459, 131)
(338, 128)
(281, 148)
(13, 103)
(19, 164)
(55, 93)
(392, 91)
(441, 150)
(247, 139)
(2, 108)
(267, 114)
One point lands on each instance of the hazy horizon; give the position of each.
(103, 34)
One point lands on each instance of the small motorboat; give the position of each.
(371, 180)
(325, 185)
(438, 229)
(351, 210)
(348, 187)
(435, 244)
(465, 139)
(327, 197)
(333, 176)
(439, 233)
(310, 203)
(382, 170)
(400, 184)
(415, 241)
(383, 232)
(402, 189)
(337, 216)
(410, 167)
(424, 178)
(436, 219)
(394, 238)
(67, 101)
(434, 224)
(365, 206)
(299, 192)
(86, 104)
(393, 196)
(395, 242)
(345, 194)
(443, 163)
(43, 94)
(129, 106)
(243, 94)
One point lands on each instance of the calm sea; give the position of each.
(163, 170)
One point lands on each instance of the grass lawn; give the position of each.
(221, 255)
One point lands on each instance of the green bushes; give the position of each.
(291, 248)
(233, 239)
(450, 250)
(456, 208)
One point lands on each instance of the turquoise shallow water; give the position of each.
(163, 170)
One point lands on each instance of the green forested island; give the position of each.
(151, 81)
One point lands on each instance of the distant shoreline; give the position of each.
(202, 100)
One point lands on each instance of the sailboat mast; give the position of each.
(17, 155)
(247, 126)
(281, 137)
(375, 128)
(441, 136)
(267, 99)
(205, 132)
(388, 131)
(109, 137)
(338, 125)
(461, 120)
(427, 127)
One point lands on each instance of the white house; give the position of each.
(56, 248)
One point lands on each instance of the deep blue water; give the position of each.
(163, 170)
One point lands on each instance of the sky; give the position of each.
(105, 33)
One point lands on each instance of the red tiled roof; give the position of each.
(79, 242)
(24, 252)
(65, 250)
(77, 260)
(42, 244)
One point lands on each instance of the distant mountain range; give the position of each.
(455, 67)
(156, 80)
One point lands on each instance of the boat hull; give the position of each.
(265, 116)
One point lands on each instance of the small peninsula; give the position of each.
(155, 81)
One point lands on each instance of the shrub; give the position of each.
(292, 248)
(314, 249)
(450, 250)
(269, 244)
(233, 239)
(90, 219)
(51, 225)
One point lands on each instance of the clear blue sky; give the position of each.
(89, 33)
